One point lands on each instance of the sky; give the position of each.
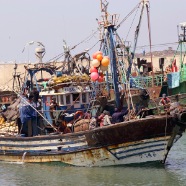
(52, 21)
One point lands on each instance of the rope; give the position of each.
(157, 45)
(166, 130)
(132, 24)
(93, 46)
(25, 101)
(149, 29)
(86, 39)
(137, 6)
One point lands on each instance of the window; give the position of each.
(76, 97)
(68, 101)
(84, 97)
(55, 98)
(61, 100)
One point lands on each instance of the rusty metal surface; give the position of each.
(131, 131)
(88, 147)
(112, 155)
(114, 134)
(154, 92)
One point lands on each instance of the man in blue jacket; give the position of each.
(28, 116)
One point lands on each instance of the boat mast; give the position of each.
(109, 30)
(67, 56)
(144, 3)
(16, 79)
(182, 40)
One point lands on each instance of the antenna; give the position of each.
(39, 51)
(16, 78)
(182, 37)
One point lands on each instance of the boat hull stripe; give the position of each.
(140, 153)
(140, 148)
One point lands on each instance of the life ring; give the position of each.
(78, 113)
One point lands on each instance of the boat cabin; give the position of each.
(68, 100)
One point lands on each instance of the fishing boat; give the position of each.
(6, 93)
(137, 139)
(175, 77)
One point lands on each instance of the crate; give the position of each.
(173, 79)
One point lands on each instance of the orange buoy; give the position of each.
(99, 57)
(105, 61)
(96, 53)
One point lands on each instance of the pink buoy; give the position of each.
(94, 76)
(93, 69)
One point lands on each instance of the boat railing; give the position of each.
(148, 81)
(142, 82)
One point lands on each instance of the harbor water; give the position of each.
(173, 173)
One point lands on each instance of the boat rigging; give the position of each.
(71, 102)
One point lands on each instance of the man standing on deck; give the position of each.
(28, 117)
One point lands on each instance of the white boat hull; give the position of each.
(127, 153)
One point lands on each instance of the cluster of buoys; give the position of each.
(98, 66)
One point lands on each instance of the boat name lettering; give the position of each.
(75, 89)
(71, 89)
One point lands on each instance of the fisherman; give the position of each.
(37, 105)
(117, 117)
(107, 118)
(32, 122)
(104, 118)
(53, 107)
(28, 116)
(93, 123)
(165, 101)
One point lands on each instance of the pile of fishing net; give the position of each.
(8, 128)
(69, 78)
